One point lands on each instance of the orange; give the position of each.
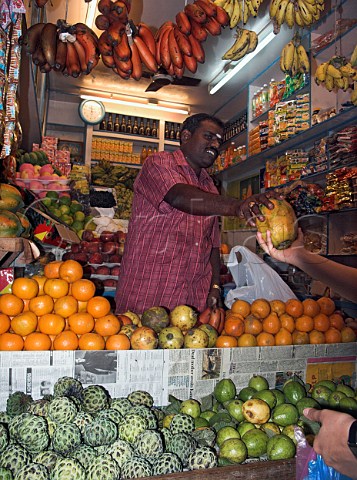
(311, 307)
(11, 341)
(41, 305)
(260, 308)
(234, 327)
(117, 342)
(51, 270)
(91, 341)
(348, 335)
(277, 306)
(337, 321)
(332, 335)
(51, 324)
(37, 341)
(4, 323)
(252, 325)
(265, 339)
(81, 322)
(287, 322)
(224, 248)
(65, 340)
(247, 340)
(26, 305)
(304, 323)
(294, 307)
(82, 306)
(98, 306)
(316, 337)
(56, 287)
(327, 305)
(66, 306)
(10, 304)
(226, 341)
(235, 316)
(300, 338)
(25, 288)
(321, 322)
(272, 323)
(242, 307)
(83, 289)
(40, 279)
(107, 325)
(71, 270)
(24, 323)
(283, 337)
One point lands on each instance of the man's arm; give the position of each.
(214, 296)
(192, 200)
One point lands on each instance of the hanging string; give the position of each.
(66, 11)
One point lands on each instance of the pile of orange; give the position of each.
(59, 311)
(294, 322)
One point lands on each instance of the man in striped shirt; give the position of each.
(172, 248)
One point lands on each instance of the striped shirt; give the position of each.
(167, 252)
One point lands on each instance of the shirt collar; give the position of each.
(181, 160)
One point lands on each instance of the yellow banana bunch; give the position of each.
(294, 58)
(354, 57)
(239, 10)
(246, 42)
(336, 74)
(296, 12)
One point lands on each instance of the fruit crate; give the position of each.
(267, 470)
(11, 248)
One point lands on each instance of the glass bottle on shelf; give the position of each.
(148, 128)
(141, 127)
(167, 131)
(143, 154)
(116, 123)
(178, 130)
(149, 151)
(123, 125)
(154, 129)
(265, 98)
(129, 127)
(135, 127)
(103, 124)
(254, 105)
(110, 123)
(172, 135)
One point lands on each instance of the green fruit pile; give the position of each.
(67, 210)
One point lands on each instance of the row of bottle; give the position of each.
(235, 127)
(146, 151)
(129, 125)
(172, 131)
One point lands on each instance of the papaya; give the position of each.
(281, 221)
(10, 198)
(10, 225)
(26, 225)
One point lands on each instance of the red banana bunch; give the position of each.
(214, 316)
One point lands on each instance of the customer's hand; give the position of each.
(250, 207)
(331, 441)
(288, 254)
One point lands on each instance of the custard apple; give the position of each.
(66, 438)
(111, 414)
(17, 403)
(201, 458)
(4, 437)
(82, 419)
(95, 398)
(136, 467)
(68, 387)
(68, 469)
(122, 405)
(5, 474)
(149, 445)
(166, 463)
(182, 422)
(14, 458)
(131, 427)
(62, 410)
(48, 458)
(139, 397)
(84, 454)
(183, 445)
(121, 451)
(32, 471)
(32, 433)
(147, 413)
(103, 467)
(101, 431)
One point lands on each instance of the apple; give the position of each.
(114, 271)
(75, 248)
(80, 257)
(102, 270)
(35, 185)
(110, 248)
(115, 258)
(87, 235)
(68, 256)
(106, 236)
(95, 258)
(88, 270)
(26, 174)
(48, 169)
(110, 282)
(20, 184)
(93, 247)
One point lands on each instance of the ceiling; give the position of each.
(226, 103)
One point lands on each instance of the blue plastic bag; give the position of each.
(318, 470)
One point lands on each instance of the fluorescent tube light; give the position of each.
(92, 6)
(144, 104)
(231, 73)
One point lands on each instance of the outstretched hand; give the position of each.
(285, 255)
(250, 207)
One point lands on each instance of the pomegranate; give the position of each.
(183, 317)
(144, 338)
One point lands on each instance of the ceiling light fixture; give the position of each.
(140, 103)
(213, 88)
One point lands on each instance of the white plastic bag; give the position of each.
(254, 279)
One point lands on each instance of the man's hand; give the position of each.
(250, 207)
(214, 298)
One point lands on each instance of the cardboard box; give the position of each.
(11, 248)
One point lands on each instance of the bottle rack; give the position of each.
(130, 125)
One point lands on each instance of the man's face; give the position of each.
(201, 147)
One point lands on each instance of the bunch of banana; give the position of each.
(353, 60)
(294, 58)
(336, 74)
(296, 12)
(72, 50)
(239, 10)
(246, 42)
